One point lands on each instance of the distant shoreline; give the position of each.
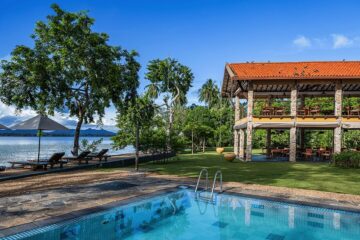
(53, 136)
(57, 133)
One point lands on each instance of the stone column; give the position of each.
(292, 154)
(268, 142)
(338, 99)
(236, 142)
(293, 110)
(268, 133)
(241, 143)
(338, 113)
(236, 132)
(293, 98)
(249, 129)
(302, 130)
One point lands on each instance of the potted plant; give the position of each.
(220, 150)
(229, 157)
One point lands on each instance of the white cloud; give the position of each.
(302, 42)
(341, 41)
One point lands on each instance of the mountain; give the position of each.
(90, 132)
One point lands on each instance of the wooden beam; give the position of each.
(231, 73)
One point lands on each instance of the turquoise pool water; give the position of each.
(181, 215)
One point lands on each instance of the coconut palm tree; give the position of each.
(209, 93)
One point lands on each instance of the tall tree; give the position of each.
(209, 93)
(131, 121)
(172, 80)
(198, 126)
(70, 68)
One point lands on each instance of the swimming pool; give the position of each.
(182, 215)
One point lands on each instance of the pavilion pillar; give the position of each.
(293, 110)
(236, 132)
(302, 130)
(249, 129)
(338, 113)
(268, 133)
(268, 142)
(241, 143)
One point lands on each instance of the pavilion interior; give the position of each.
(299, 107)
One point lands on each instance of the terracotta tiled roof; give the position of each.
(296, 70)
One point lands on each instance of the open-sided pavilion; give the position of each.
(294, 81)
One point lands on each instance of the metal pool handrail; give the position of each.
(218, 172)
(204, 170)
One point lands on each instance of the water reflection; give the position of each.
(22, 148)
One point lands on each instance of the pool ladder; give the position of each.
(217, 174)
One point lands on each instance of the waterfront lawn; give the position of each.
(316, 176)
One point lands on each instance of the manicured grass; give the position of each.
(316, 176)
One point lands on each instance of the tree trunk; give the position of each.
(137, 146)
(75, 150)
(168, 131)
(192, 141)
(203, 147)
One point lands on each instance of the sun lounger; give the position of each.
(56, 158)
(99, 155)
(82, 156)
(43, 163)
(34, 164)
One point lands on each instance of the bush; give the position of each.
(347, 159)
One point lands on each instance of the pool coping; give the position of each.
(7, 232)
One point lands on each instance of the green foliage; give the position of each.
(136, 114)
(172, 80)
(347, 159)
(209, 93)
(86, 145)
(70, 67)
(351, 139)
(198, 125)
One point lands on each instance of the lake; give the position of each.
(24, 148)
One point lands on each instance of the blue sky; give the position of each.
(203, 34)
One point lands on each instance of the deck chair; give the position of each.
(56, 159)
(43, 163)
(99, 155)
(82, 156)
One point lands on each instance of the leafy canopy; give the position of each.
(209, 93)
(170, 77)
(70, 68)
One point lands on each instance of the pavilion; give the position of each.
(293, 82)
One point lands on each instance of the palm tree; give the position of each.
(209, 93)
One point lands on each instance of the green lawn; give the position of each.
(317, 176)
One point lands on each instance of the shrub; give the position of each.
(347, 159)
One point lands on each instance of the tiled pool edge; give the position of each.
(297, 202)
(6, 232)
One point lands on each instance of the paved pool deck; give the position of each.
(44, 199)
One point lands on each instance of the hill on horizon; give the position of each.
(90, 132)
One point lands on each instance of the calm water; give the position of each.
(180, 216)
(23, 148)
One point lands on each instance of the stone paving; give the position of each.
(25, 201)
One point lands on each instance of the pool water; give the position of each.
(183, 215)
